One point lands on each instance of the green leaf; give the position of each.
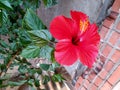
(45, 66)
(3, 18)
(24, 37)
(54, 66)
(49, 3)
(30, 81)
(2, 67)
(45, 79)
(11, 83)
(5, 77)
(7, 59)
(3, 86)
(40, 37)
(32, 22)
(37, 83)
(52, 56)
(3, 44)
(31, 52)
(23, 69)
(45, 52)
(57, 78)
(1, 81)
(4, 4)
(2, 51)
(39, 71)
(31, 71)
(2, 56)
(33, 4)
(13, 46)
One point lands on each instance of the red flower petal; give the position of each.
(62, 28)
(77, 16)
(65, 53)
(91, 36)
(88, 54)
(88, 49)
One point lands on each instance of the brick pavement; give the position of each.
(108, 62)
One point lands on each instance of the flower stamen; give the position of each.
(83, 25)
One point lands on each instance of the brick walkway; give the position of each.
(105, 74)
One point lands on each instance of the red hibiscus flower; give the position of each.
(77, 39)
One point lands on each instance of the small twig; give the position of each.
(51, 44)
(10, 62)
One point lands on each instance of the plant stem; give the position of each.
(9, 63)
(51, 44)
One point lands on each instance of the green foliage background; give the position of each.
(23, 36)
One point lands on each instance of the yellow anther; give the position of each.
(83, 25)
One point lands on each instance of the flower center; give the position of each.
(83, 25)
(75, 41)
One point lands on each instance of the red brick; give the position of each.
(109, 66)
(118, 26)
(115, 76)
(107, 50)
(116, 6)
(93, 87)
(106, 86)
(108, 22)
(113, 15)
(100, 45)
(102, 58)
(103, 74)
(91, 76)
(83, 88)
(116, 56)
(79, 81)
(98, 81)
(87, 83)
(75, 88)
(119, 45)
(103, 32)
(114, 38)
(77, 85)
